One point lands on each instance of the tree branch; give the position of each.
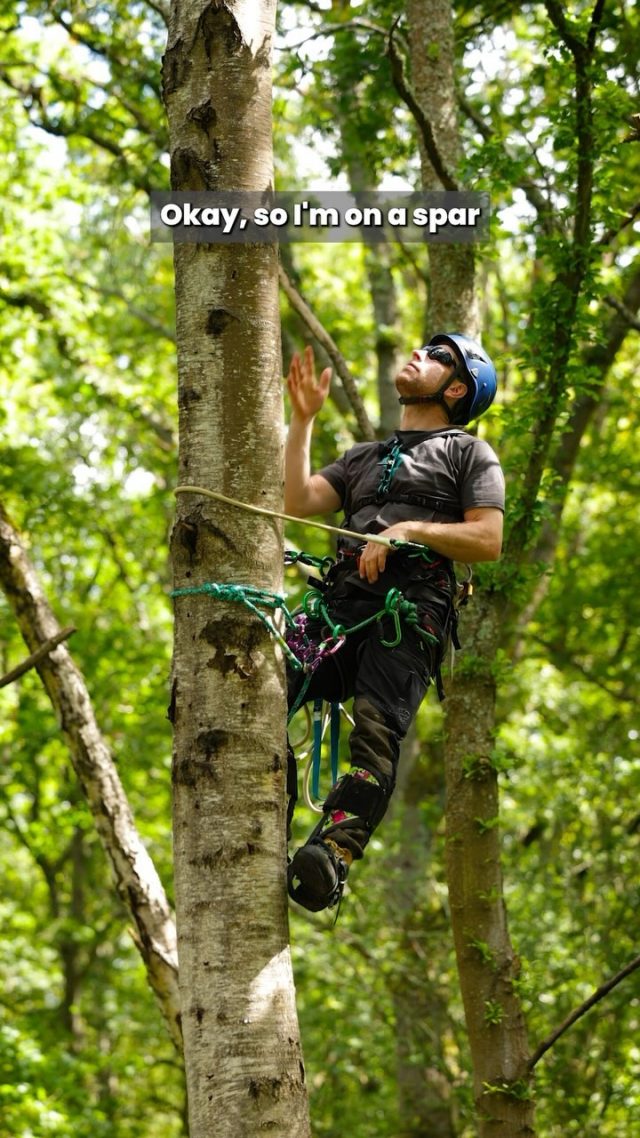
(594, 27)
(568, 281)
(610, 234)
(534, 194)
(137, 882)
(630, 317)
(37, 111)
(561, 24)
(597, 360)
(162, 8)
(408, 96)
(37, 656)
(595, 998)
(333, 29)
(313, 7)
(322, 336)
(132, 309)
(163, 431)
(563, 659)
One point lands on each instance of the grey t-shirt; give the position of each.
(438, 475)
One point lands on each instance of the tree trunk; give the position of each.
(136, 879)
(242, 1052)
(426, 1103)
(378, 266)
(487, 965)
(452, 304)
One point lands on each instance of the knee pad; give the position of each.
(363, 797)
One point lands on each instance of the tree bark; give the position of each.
(242, 1050)
(378, 267)
(426, 1103)
(487, 964)
(136, 880)
(452, 303)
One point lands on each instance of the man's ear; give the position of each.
(458, 390)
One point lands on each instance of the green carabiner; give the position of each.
(391, 608)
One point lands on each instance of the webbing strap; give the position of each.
(317, 746)
(318, 731)
(335, 740)
(425, 501)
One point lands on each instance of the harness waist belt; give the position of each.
(426, 501)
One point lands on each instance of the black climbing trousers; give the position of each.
(388, 686)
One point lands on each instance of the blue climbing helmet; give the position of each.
(476, 369)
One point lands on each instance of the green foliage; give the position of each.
(87, 463)
(487, 954)
(486, 824)
(493, 1012)
(519, 1090)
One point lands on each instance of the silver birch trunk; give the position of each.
(242, 1051)
(135, 876)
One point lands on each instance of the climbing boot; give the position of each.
(317, 873)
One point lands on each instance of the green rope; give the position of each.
(395, 605)
(313, 605)
(251, 598)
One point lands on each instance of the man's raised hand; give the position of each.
(307, 393)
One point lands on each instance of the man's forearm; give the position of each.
(297, 466)
(460, 541)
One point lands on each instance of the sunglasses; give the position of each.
(442, 355)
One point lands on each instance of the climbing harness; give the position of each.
(390, 462)
(302, 651)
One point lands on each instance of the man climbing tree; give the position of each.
(436, 491)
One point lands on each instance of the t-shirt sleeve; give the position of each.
(335, 475)
(482, 478)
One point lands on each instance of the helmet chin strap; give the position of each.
(437, 397)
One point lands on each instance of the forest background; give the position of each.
(87, 472)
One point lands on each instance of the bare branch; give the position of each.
(408, 95)
(37, 656)
(342, 368)
(333, 29)
(135, 876)
(533, 192)
(132, 309)
(595, 998)
(162, 8)
(626, 313)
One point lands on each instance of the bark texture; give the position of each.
(243, 1058)
(452, 304)
(487, 964)
(425, 1097)
(135, 876)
